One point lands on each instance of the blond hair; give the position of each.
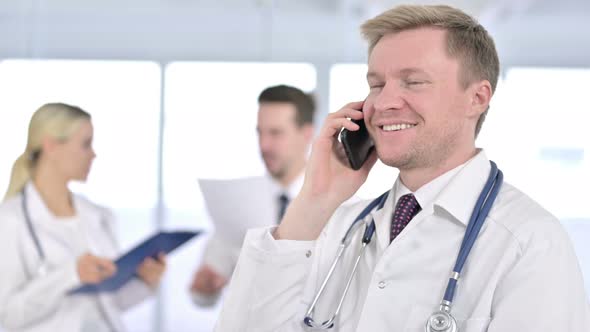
(55, 120)
(467, 40)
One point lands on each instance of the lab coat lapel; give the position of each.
(95, 228)
(40, 216)
(460, 195)
(38, 211)
(383, 223)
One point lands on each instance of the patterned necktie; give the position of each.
(283, 202)
(407, 207)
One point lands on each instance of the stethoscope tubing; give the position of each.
(43, 258)
(31, 228)
(367, 236)
(480, 212)
(35, 237)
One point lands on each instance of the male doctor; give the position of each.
(285, 130)
(432, 71)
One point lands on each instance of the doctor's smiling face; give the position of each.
(418, 111)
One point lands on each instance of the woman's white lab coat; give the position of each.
(33, 301)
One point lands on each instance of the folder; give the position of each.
(128, 263)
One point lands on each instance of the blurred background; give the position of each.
(172, 88)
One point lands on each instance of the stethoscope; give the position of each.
(441, 320)
(42, 269)
(43, 265)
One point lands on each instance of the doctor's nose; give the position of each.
(265, 143)
(389, 98)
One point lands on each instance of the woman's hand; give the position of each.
(93, 269)
(151, 270)
(207, 281)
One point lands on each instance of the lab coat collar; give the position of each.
(459, 196)
(40, 213)
(37, 209)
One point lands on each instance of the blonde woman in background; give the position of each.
(53, 241)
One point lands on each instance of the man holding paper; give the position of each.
(285, 129)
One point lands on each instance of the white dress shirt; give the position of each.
(522, 274)
(31, 301)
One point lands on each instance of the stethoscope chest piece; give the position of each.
(441, 321)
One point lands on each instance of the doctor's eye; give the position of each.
(414, 83)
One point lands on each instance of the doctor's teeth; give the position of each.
(396, 127)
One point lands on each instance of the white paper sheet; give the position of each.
(238, 205)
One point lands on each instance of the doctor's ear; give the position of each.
(49, 145)
(480, 97)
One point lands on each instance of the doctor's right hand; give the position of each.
(328, 174)
(207, 281)
(93, 269)
(329, 179)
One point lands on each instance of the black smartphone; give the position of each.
(357, 144)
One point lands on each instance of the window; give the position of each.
(210, 132)
(535, 130)
(123, 98)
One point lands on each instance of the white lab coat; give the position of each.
(522, 274)
(33, 302)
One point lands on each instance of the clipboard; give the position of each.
(128, 263)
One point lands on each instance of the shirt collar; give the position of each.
(459, 196)
(455, 191)
(291, 190)
(426, 194)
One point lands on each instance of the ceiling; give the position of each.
(474, 7)
(540, 32)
